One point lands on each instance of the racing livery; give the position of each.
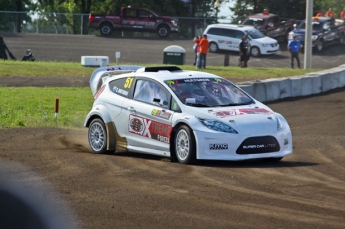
(184, 115)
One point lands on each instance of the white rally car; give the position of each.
(184, 115)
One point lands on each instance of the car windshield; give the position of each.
(254, 22)
(254, 34)
(208, 92)
(316, 25)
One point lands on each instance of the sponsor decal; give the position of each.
(259, 146)
(218, 146)
(161, 113)
(149, 128)
(174, 106)
(234, 112)
(195, 80)
(120, 91)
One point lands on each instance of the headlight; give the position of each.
(174, 22)
(314, 37)
(264, 45)
(280, 125)
(217, 125)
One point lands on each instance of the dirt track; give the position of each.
(305, 190)
(55, 173)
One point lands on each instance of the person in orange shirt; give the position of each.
(320, 14)
(202, 52)
(330, 13)
(342, 14)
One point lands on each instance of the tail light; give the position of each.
(99, 92)
(91, 17)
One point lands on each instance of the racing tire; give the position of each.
(97, 136)
(319, 46)
(255, 51)
(163, 31)
(184, 144)
(213, 47)
(106, 29)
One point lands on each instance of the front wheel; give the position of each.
(185, 148)
(97, 136)
(255, 51)
(163, 31)
(213, 47)
(319, 46)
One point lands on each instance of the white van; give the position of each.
(228, 37)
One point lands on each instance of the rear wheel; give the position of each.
(255, 51)
(163, 31)
(97, 136)
(185, 148)
(213, 47)
(106, 29)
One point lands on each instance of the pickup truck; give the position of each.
(134, 19)
(326, 31)
(271, 25)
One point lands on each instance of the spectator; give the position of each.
(294, 48)
(244, 51)
(202, 52)
(320, 13)
(330, 13)
(196, 47)
(342, 14)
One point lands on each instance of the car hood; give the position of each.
(244, 119)
(266, 40)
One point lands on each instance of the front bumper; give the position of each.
(222, 146)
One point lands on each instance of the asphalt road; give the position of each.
(52, 47)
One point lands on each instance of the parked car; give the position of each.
(184, 115)
(134, 19)
(271, 24)
(325, 31)
(228, 37)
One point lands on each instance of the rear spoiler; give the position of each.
(97, 76)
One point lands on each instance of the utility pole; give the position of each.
(308, 33)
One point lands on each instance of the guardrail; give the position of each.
(296, 86)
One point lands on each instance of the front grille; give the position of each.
(256, 145)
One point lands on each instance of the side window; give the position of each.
(131, 13)
(228, 32)
(214, 31)
(239, 34)
(144, 13)
(121, 86)
(151, 92)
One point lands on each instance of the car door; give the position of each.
(130, 18)
(329, 33)
(147, 116)
(146, 20)
(229, 36)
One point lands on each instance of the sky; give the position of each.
(224, 9)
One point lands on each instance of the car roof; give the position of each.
(262, 15)
(231, 26)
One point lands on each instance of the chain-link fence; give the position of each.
(65, 23)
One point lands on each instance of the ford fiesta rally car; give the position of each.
(184, 115)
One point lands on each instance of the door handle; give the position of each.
(131, 109)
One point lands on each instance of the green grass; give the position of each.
(35, 106)
(67, 69)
